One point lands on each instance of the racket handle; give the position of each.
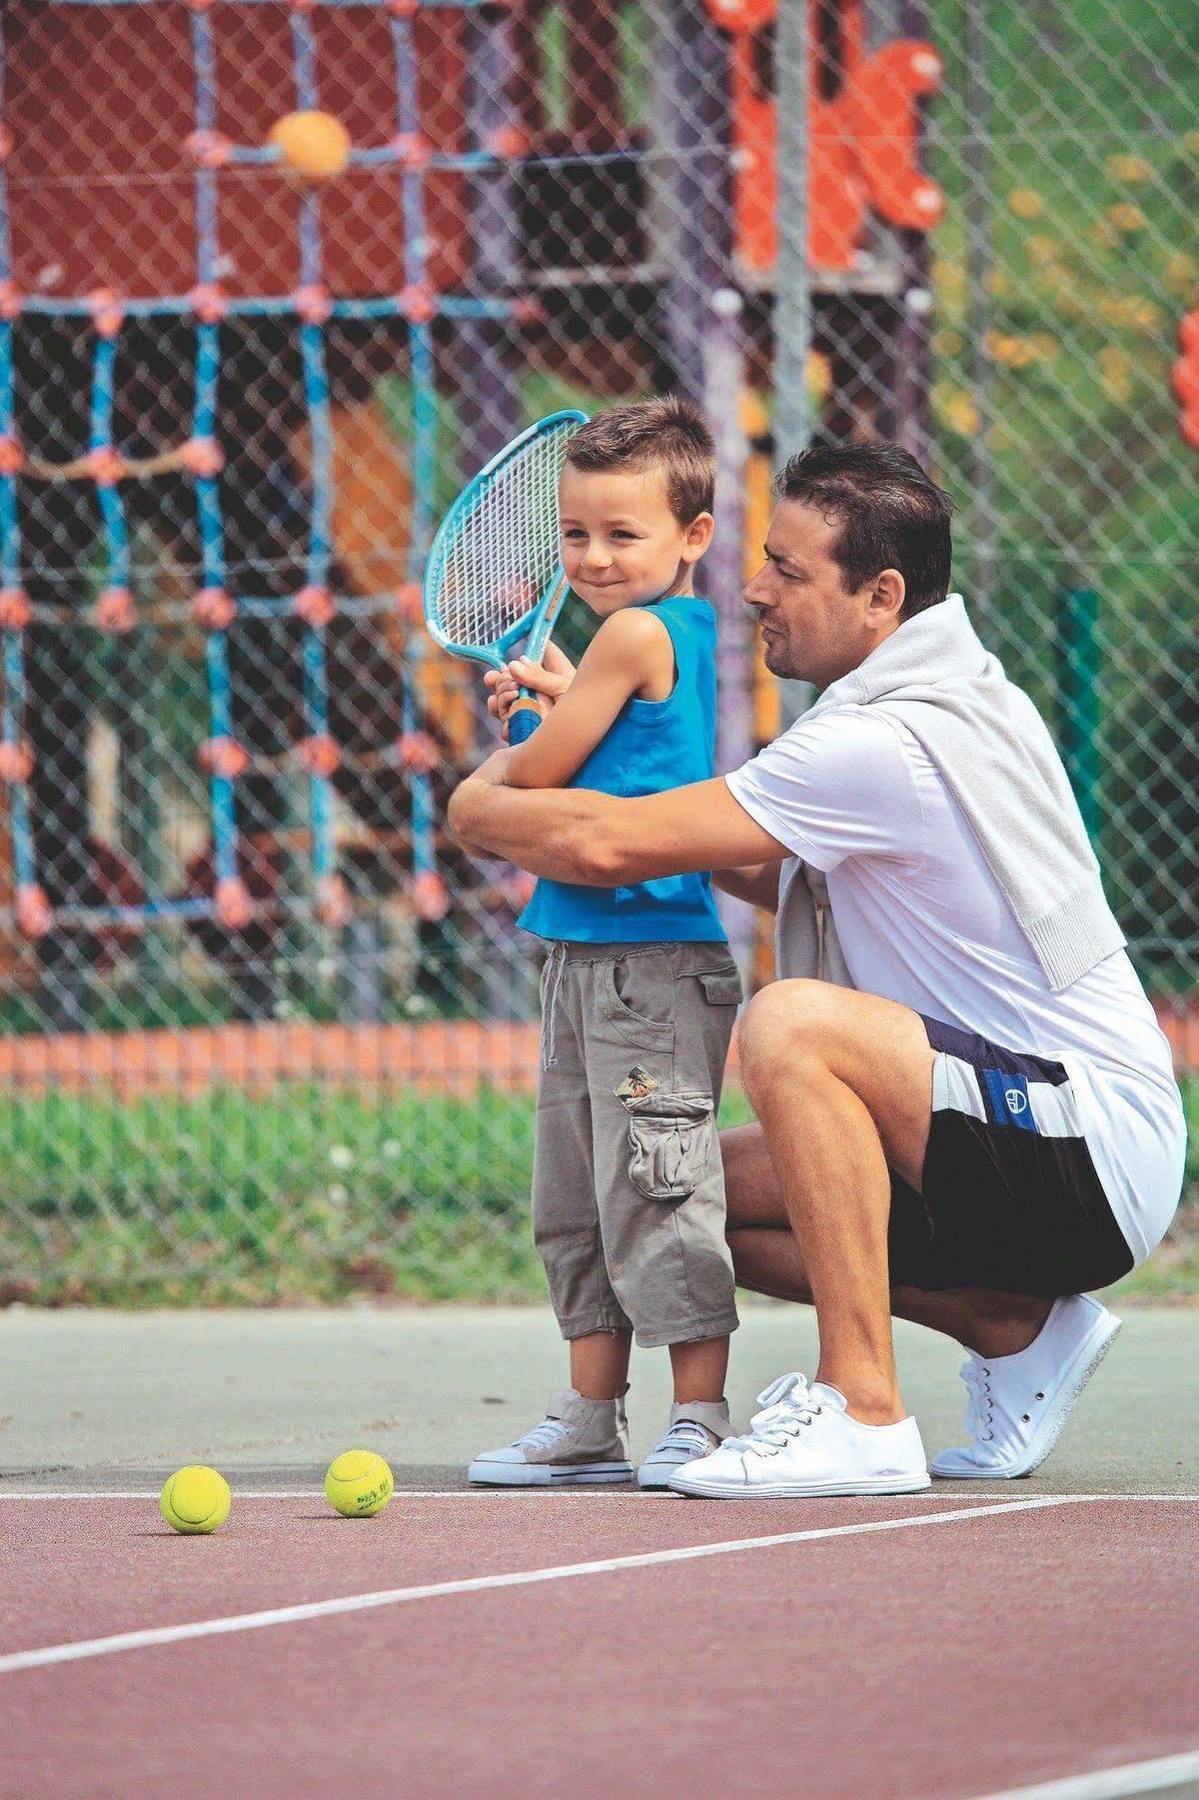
(524, 718)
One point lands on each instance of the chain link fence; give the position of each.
(275, 278)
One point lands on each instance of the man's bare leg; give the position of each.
(767, 1260)
(842, 1085)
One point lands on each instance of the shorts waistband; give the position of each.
(572, 952)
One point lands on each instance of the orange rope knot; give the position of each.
(6, 143)
(10, 300)
(316, 606)
(203, 457)
(16, 761)
(413, 150)
(418, 304)
(319, 754)
(107, 310)
(105, 465)
(527, 309)
(314, 304)
(410, 602)
(403, 9)
(429, 895)
(34, 915)
(208, 303)
(224, 757)
(12, 457)
(333, 906)
(418, 751)
(508, 143)
(214, 609)
(209, 148)
(15, 609)
(234, 907)
(115, 611)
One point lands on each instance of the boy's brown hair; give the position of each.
(668, 434)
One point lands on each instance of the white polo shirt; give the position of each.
(921, 920)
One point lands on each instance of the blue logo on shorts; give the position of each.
(1009, 1099)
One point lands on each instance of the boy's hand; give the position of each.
(549, 679)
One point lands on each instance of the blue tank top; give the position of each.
(651, 746)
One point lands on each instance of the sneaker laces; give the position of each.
(688, 1437)
(979, 1399)
(787, 1409)
(542, 1436)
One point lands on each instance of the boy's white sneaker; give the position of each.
(697, 1427)
(804, 1442)
(1018, 1404)
(578, 1440)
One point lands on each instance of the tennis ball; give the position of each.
(312, 144)
(196, 1499)
(359, 1484)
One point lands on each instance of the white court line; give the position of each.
(541, 1493)
(351, 1603)
(1110, 1784)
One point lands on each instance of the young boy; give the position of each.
(639, 991)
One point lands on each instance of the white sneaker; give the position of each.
(804, 1442)
(697, 1427)
(1018, 1404)
(578, 1440)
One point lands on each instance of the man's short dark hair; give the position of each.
(891, 515)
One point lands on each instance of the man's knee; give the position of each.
(783, 1027)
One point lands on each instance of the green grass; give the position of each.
(308, 1194)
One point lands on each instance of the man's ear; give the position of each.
(698, 536)
(890, 592)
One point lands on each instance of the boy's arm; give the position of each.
(627, 651)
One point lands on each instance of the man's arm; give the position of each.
(758, 884)
(599, 840)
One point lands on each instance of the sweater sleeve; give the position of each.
(834, 786)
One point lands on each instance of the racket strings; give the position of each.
(505, 548)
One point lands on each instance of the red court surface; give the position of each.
(944, 1645)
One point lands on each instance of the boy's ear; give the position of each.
(697, 537)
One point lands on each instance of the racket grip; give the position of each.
(523, 720)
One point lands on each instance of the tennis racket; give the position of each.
(494, 580)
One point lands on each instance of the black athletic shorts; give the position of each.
(1011, 1199)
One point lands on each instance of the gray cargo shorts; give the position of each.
(628, 1185)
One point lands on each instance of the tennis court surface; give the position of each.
(1036, 1638)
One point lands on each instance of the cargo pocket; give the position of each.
(670, 1144)
(723, 989)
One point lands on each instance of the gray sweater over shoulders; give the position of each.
(991, 747)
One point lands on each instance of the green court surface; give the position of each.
(109, 1401)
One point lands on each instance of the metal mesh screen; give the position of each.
(265, 1029)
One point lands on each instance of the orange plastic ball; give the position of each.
(313, 145)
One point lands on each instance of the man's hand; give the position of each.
(493, 772)
(550, 680)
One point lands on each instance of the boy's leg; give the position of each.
(566, 1219)
(656, 1029)
(583, 1437)
(699, 1369)
(599, 1364)
(656, 1035)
